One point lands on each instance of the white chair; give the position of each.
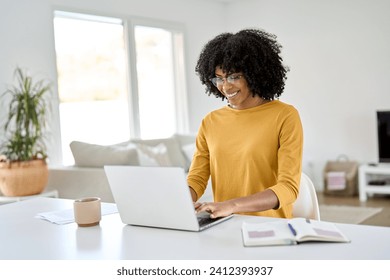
(306, 205)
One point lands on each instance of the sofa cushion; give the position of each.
(153, 155)
(176, 156)
(189, 151)
(187, 144)
(93, 155)
(185, 139)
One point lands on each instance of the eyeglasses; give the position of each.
(232, 79)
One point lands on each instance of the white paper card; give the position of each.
(66, 216)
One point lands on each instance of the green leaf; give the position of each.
(27, 116)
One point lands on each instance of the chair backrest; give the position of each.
(306, 205)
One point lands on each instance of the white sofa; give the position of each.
(87, 177)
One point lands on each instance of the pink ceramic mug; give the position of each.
(87, 211)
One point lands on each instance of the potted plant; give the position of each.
(23, 167)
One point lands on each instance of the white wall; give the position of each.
(337, 51)
(339, 59)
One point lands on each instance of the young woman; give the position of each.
(252, 147)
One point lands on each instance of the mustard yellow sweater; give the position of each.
(248, 151)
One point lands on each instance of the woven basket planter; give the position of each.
(23, 178)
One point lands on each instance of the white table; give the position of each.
(26, 237)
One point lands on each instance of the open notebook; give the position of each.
(290, 232)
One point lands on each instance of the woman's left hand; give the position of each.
(216, 209)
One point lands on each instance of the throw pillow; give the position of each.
(153, 155)
(189, 151)
(174, 151)
(93, 155)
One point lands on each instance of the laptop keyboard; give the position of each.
(204, 219)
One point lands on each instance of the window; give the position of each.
(155, 81)
(118, 79)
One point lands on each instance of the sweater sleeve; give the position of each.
(289, 158)
(199, 172)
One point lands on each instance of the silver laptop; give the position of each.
(156, 197)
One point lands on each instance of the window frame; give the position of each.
(179, 72)
(179, 63)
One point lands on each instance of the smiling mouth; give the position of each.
(231, 95)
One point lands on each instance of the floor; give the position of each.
(380, 219)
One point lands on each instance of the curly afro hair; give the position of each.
(254, 53)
